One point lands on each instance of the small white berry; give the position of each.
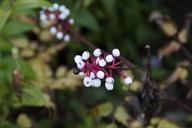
(71, 21)
(53, 30)
(109, 58)
(97, 52)
(67, 38)
(128, 80)
(81, 65)
(62, 8)
(59, 35)
(109, 80)
(109, 86)
(96, 83)
(100, 74)
(116, 52)
(87, 82)
(66, 11)
(92, 75)
(43, 17)
(102, 63)
(62, 16)
(52, 16)
(55, 6)
(85, 55)
(78, 59)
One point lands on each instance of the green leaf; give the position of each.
(4, 45)
(29, 4)
(4, 17)
(164, 123)
(32, 96)
(16, 27)
(103, 110)
(87, 3)
(109, 5)
(86, 19)
(121, 115)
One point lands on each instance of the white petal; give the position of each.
(67, 38)
(102, 63)
(59, 35)
(55, 6)
(92, 75)
(53, 30)
(80, 65)
(71, 21)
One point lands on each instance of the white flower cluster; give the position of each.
(58, 18)
(99, 66)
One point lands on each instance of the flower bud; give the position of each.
(87, 82)
(116, 52)
(96, 83)
(77, 59)
(53, 30)
(85, 55)
(102, 63)
(66, 38)
(80, 65)
(109, 86)
(109, 80)
(59, 35)
(92, 75)
(97, 52)
(100, 74)
(109, 58)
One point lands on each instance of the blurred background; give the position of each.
(39, 90)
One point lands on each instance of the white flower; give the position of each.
(71, 21)
(109, 80)
(96, 83)
(81, 65)
(53, 30)
(67, 38)
(62, 8)
(116, 52)
(109, 86)
(55, 6)
(102, 63)
(109, 58)
(51, 9)
(87, 82)
(62, 16)
(97, 52)
(59, 35)
(128, 80)
(43, 17)
(100, 74)
(78, 59)
(66, 11)
(85, 55)
(92, 75)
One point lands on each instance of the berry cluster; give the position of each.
(100, 66)
(58, 18)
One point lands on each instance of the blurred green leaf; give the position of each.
(29, 4)
(4, 17)
(121, 115)
(109, 5)
(103, 110)
(32, 96)
(16, 27)
(4, 45)
(86, 19)
(87, 3)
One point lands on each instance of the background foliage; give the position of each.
(44, 93)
